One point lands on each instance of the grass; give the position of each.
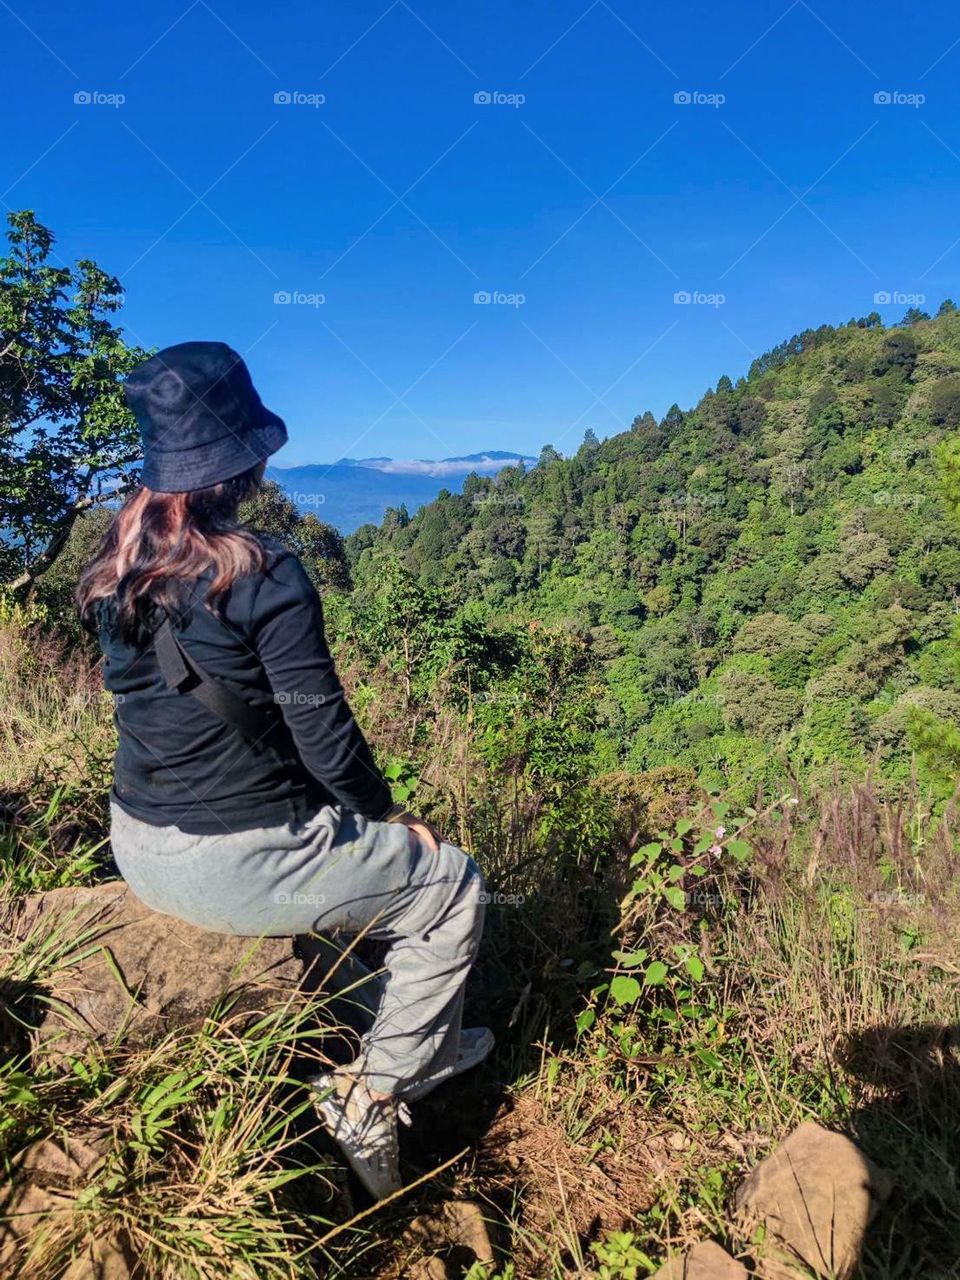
(818, 978)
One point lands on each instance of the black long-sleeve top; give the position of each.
(179, 764)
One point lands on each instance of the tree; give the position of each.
(590, 442)
(913, 315)
(943, 402)
(673, 418)
(937, 739)
(899, 351)
(319, 546)
(68, 442)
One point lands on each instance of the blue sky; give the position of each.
(582, 187)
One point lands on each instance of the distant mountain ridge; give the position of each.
(355, 491)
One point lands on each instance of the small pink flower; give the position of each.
(716, 850)
(720, 832)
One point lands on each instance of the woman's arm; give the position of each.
(288, 633)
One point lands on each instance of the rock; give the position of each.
(432, 1268)
(45, 1178)
(124, 970)
(814, 1197)
(705, 1261)
(458, 1224)
(108, 1258)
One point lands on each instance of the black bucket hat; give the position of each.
(200, 417)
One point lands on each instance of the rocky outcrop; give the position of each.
(113, 969)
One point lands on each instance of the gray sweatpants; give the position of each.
(337, 873)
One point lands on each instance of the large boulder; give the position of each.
(807, 1206)
(109, 968)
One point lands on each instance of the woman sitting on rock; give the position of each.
(245, 799)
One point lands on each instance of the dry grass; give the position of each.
(832, 990)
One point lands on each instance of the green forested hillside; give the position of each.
(581, 674)
(764, 584)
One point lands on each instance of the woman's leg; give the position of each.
(338, 873)
(416, 1032)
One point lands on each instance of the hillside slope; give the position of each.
(768, 580)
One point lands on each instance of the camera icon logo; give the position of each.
(282, 298)
(483, 98)
(882, 296)
(882, 98)
(282, 98)
(682, 297)
(482, 297)
(682, 98)
(83, 98)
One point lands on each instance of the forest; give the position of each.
(690, 695)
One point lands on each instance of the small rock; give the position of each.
(705, 1261)
(814, 1197)
(432, 1268)
(457, 1224)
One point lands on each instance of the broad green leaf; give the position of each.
(624, 989)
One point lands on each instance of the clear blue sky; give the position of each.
(400, 197)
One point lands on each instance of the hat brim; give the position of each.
(186, 470)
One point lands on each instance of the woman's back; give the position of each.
(178, 763)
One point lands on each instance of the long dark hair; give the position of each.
(160, 544)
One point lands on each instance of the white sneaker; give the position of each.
(476, 1043)
(364, 1127)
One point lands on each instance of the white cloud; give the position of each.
(446, 467)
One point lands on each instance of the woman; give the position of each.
(245, 798)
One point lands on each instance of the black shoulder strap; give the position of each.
(185, 675)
